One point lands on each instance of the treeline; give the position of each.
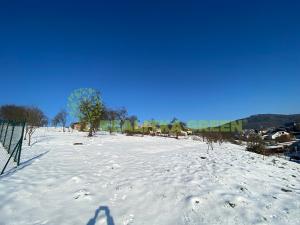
(118, 121)
(108, 119)
(60, 119)
(33, 116)
(174, 128)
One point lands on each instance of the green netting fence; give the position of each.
(11, 137)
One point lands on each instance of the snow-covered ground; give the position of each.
(119, 180)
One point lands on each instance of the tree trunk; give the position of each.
(90, 132)
(26, 131)
(29, 139)
(121, 126)
(110, 127)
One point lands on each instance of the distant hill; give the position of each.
(269, 120)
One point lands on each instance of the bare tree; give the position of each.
(122, 115)
(112, 115)
(256, 144)
(60, 118)
(211, 137)
(132, 120)
(13, 112)
(35, 118)
(55, 121)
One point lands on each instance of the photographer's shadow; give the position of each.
(105, 209)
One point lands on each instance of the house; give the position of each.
(158, 131)
(78, 126)
(183, 133)
(275, 134)
(189, 131)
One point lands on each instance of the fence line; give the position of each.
(11, 138)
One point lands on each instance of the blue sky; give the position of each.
(160, 59)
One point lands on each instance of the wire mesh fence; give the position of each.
(11, 136)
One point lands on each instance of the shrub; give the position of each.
(164, 129)
(256, 144)
(133, 132)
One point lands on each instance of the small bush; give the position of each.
(256, 144)
(258, 148)
(133, 132)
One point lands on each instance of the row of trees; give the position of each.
(33, 116)
(112, 115)
(109, 119)
(175, 127)
(86, 105)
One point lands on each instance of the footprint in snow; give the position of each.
(82, 194)
(285, 190)
(129, 220)
(194, 201)
(243, 189)
(230, 204)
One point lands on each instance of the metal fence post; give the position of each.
(21, 142)
(2, 126)
(11, 137)
(5, 134)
